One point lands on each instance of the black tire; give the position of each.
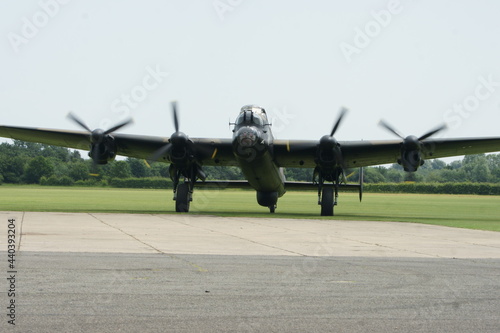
(272, 208)
(182, 198)
(327, 202)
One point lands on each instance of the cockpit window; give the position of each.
(241, 119)
(257, 120)
(249, 118)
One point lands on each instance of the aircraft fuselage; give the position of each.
(253, 150)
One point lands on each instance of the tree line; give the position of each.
(34, 163)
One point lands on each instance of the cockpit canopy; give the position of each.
(251, 115)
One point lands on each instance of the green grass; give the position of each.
(464, 211)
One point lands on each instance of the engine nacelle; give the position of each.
(328, 159)
(411, 154)
(103, 152)
(411, 160)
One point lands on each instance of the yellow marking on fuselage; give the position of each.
(215, 153)
(288, 145)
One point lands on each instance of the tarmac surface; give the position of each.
(77, 272)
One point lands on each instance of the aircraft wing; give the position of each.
(301, 153)
(288, 153)
(212, 151)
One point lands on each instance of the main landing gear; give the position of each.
(183, 192)
(327, 198)
(327, 195)
(326, 202)
(183, 197)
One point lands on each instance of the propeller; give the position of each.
(329, 143)
(174, 112)
(98, 135)
(177, 138)
(343, 111)
(423, 137)
(411, 146)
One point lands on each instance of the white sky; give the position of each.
(286, 56)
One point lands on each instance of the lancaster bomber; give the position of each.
(260, 157)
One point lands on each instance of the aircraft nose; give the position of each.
(247, 137)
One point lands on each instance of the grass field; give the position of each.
(464, 211)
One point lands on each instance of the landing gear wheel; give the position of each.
(272, 208)
(327, 202)
(182, 198)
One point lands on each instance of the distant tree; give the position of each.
(119, 169)
(394, 176)
(223, 173)
(137, 167)
(298, 174)
(37, 168)
(30, 149)
(159, 170)
(413, 177)
(59, 153)
(436, 164)
(12, 168)
(454, 165)
(481, 173)
(60, 167)
(78, 170)
(373, 175)
(494, 166)
(75, 156)
(476, 168)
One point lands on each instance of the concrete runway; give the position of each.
(186, 273)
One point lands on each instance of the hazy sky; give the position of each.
(414, 63)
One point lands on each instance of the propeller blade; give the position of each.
(161, 151)
(431, 133)
(390, 128)
(343, 111)
(176, 120)
(73, 117)
(117, 127)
